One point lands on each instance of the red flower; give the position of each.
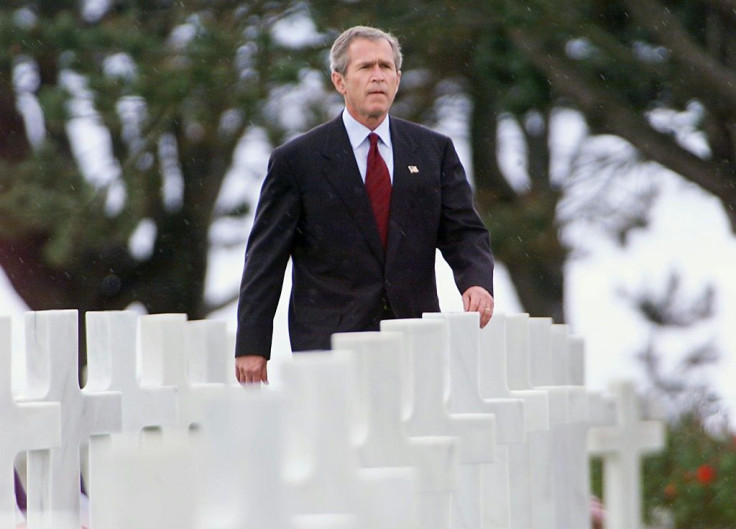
(670, 492)
(705, 474)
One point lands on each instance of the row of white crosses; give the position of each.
(429, 423)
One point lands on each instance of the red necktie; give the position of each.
(378, 187)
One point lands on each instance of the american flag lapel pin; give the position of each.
(413, 169)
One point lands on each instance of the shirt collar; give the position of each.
(357, 132)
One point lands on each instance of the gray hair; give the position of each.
(339, 51)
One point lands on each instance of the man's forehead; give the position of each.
(385, 44)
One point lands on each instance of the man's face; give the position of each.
(370, 82)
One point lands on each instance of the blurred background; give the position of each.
(600, 137)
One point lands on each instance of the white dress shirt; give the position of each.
(358, 135)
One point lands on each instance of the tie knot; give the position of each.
(373, 138)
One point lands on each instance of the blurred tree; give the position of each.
(690, 483)
(677, 379)
(172, 87)
(459, 52)
(659, 73)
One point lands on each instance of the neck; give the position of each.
(371, 122)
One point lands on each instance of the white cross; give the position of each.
(531, 502)
(111, 366)
(210, 352)
(427, 344)
(242, 431)
(54, 475)
(622, 447)
(148, 485)
(164, 360)
(552, 371)
(24, 426)
(381, 401)
(465, 397)
(322, 469)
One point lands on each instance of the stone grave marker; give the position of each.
(427, 343)
(622, 446)
(530, 479)
(112, 366)
(165, 361)
(569, 425)
(323, 474)
(465, 397)
(54, 475)
(211, 353)
(23, 426)
(380, 434)
(147, 485)
(244, 460)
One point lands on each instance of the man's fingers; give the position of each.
(471, 300)
(251, 369)
(478, 299)
(486, 315)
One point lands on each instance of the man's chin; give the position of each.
(377, 112)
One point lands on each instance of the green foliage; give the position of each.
(185, 67)
(694, 478)
(48, 197)
(525, 233)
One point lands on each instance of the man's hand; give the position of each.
(478, 299)
(251, 369)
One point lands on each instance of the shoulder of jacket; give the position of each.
(315, 134)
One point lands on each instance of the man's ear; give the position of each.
(339, 82)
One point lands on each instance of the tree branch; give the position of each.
(708, 76)
(726, 7)
(14, 144)
(616, 117)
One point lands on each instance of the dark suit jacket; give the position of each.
(313, 208)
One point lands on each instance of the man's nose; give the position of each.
(377, 73)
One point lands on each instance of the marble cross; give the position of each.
(323, 474)
(54, 475)
(552, 371)
(465, 396)
(326, 521)
(165, 360)
(243, 441)
(427, 345)
(24, 426)
(210, 353)
(111, 364)
(381, 403)
(622, 447)
(148, 485)
(530, 479)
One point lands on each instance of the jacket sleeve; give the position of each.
(267, 254)
(463, 239)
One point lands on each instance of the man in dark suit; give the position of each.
(360, 204)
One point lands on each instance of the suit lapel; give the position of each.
(404, 185)
(341, 170)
